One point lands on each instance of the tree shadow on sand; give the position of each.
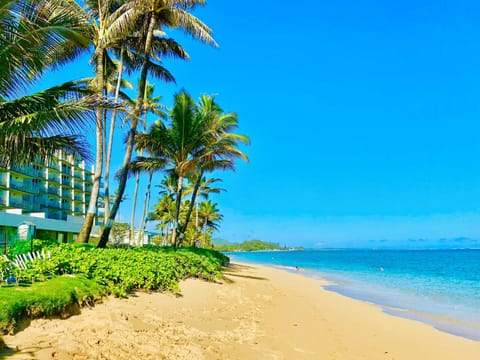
(234, 269)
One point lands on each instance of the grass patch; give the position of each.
(56, 297)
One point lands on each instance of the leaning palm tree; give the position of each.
(156, 16)
(220, 147)
(204, 189)
(37, 35)
(112, 21)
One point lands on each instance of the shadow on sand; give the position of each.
(234, 269)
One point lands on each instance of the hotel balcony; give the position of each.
(54, 178)
(78, 174)
(53, 191)
(26, 171)
(24, 188)
(78, 199)
(53, 165)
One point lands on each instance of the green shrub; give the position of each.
(24, 246)
(97, 272)
(125, 270)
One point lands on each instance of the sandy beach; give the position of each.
(255, 312)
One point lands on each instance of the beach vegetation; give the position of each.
(75, 275)
(38, 36)
(57, 297)
(199, 139)
(187, 142)
(154, 18)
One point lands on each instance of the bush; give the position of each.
(125, 270)
(99, 272)
(24, 246)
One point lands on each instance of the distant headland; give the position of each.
(251, 245)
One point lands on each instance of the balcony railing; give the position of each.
(54, 179)
(78, 174)
(16, 203)
(24, 188)
(53, 191)
(26, 170)
(53, 165)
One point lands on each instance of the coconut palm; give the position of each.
(204, 189)
(152, 105)
(210, 219)
(164, 212)
(111, 21)
(156, 16)
(36, 36)
(220, 144)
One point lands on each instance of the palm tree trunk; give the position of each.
(145, 206)
(178, 203)
(84, 234)
(131, 136)
(192, 202)
(134, 207)
(106, 197)
(196, 216)
(204, 229)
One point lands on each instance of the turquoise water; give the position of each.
(438, 287)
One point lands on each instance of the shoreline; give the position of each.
(254, 312)
(392, 301)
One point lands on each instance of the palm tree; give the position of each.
(36, 36)
(156, 15)
(220, 144)
(204, 190)
(152, 105)
(164, 212)
(210, 218)
(112, 22)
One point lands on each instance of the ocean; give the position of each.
(437, 287)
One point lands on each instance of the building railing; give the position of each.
(53, 191)
(16, 203)
(26, 170)
(55, 179)
(24, 188)
(52, 164)
(78, 174)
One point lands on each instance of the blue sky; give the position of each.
(363, 117)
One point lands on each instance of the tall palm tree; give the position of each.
(152, 105)
(112, 21)
(220, 145)
(36, 35)
(156, 16)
